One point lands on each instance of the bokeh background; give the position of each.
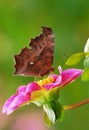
(21, 20)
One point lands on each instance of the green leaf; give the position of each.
(74, 59)
(46, 119)
(86, 48)
(49, 113)
(85, 75)
(53, 111)
(86, 62)
(58, 109)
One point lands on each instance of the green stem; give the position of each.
(76, 105)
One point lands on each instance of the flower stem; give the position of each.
(76, 105)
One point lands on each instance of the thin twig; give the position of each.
(76, 105)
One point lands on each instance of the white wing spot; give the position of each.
(31, 63)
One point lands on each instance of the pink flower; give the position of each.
(38, 92)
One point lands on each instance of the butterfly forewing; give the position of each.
(38, 58)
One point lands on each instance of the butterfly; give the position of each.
(37, 59)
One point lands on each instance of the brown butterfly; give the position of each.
(38, 58)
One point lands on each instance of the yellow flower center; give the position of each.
(45, 81)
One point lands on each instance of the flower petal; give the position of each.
(14, 102)
(21, 89)
(32, 87)
(54, 84)
(22, 97)
(7, 103)
(19, 101)
(70, 75)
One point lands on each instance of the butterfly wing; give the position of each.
(38, 58)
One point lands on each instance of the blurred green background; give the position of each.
(21, 20)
